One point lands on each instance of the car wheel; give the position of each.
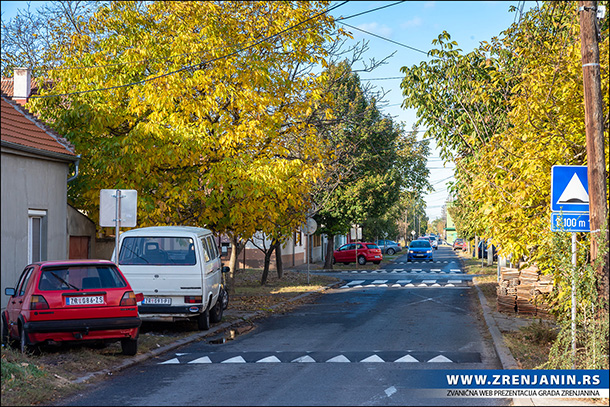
(129, 346)
(362, 260)
(24, 345)
(391, 251)
(216, 311)
(225, 299)
(5, 335)
(203, 321)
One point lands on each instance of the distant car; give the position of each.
(434, 242)
(388, 246)
(72, 300)
(360, 252)
(425, 238)
(420, 249)
(459, 244)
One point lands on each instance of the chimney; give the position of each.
(22, 85)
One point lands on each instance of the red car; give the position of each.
(460, 244)
(72, 300)
(360, 252)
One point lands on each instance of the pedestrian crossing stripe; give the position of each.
(401, 271)
(401, 283)
(410, 356)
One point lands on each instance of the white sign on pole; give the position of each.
(310, 226)
(128, 205)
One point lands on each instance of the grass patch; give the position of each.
(531, 344)
(250, 295)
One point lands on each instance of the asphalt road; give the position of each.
(365, 343)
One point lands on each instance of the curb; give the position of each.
(180, 342)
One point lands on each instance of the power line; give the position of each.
(384, 38)
(369, 11)
(200, 63)
(199, 52)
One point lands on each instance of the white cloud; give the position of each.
(375, 28)
(414, 22)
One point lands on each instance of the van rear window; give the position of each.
(157, 251)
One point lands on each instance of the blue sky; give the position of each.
(415, 24)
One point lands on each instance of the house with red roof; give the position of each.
(36, 163)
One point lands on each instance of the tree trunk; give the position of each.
(268, 253)
(278, 262)
(328, 262)
(236, 247)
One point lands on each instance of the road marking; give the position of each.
(454, 270)
(356, 282)
(173, 361)
(236, 359)
(440, 359)
(404, 281)
(435, 269)
(304, 359)
(429, 281)
(454, 281)
(372, 358)
(407, 359)
(269, 359)
(338, 359)
(390, 390)
(379, 281)
(204, 359)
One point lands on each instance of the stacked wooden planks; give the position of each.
(523, 291)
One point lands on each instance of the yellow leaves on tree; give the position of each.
(199, 106)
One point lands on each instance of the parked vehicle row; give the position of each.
(175, 271)
(389, 247)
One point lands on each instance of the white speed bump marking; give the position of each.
(372, 358)
(236, 359)
(204, 359)
(440, 359)
(269, 359)
(173, 361)
(407, 359)
(304, 359)
(338, 359)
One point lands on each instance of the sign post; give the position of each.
(570, 213)
(118, 207)
(309, 228)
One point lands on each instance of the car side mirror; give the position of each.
(9, 291)
(225, 269)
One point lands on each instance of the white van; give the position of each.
(178, 270)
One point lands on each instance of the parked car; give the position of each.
(360, 252)
(72, 300)
(388, 246)
(434, 242)
(459, 244)
(420, 249)
(178, 269)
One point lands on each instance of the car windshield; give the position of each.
(80, 277)
(420, 243)
(157, 250)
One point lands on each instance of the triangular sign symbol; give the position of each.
(574, 193)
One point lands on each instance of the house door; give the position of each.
(79, 247)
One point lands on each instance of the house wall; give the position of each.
(81, 225)
(30, 182)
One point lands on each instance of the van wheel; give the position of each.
(129, 346)
(216, 311)
(203, 321)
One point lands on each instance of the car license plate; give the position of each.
(376, 256)
(157, 300)
(86, 300)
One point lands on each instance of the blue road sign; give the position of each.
(570, 222)
(569, 188)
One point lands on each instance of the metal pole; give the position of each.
(308, 255)
(574, 300)
(116, 222)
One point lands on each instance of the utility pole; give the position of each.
(594, 123)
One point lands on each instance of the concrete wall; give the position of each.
(30, 182)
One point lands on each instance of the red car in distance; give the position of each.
(360, 252)
(460, 244)
(72, 300)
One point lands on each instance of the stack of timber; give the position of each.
(524, 291)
